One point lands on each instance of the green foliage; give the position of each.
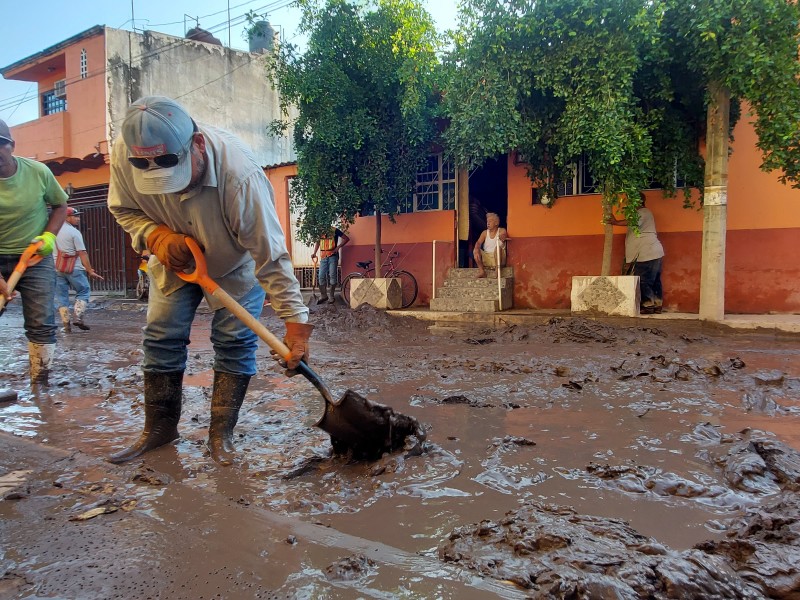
(622, 83)
(362, 103)
(750, 47)
(561, 79)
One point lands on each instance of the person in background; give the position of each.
(328, 246)
(646, 254)
(27, 189)
(490, 239)
(73, 273)
(171, 179)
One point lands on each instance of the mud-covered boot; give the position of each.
(226, 400)
(64, 312)
(323, 294)
(162, 411)
(80, 310)
(41, 361)
(332, 299)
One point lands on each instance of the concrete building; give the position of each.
(85, 85)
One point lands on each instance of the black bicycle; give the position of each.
(407, 281)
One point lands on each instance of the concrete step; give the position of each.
(478, 284)
(469, 293)
(471, 273)
(463, 305)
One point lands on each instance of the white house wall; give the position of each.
(219, 86)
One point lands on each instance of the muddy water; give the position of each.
(652, 439)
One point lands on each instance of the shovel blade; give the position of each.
(366, 429)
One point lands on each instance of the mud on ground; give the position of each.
(568, 459)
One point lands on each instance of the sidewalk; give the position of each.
(519, 316)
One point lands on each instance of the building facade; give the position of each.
(86, 84)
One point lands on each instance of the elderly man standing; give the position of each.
(172, 178)
(27, 188)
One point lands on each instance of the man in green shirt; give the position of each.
(27, 187)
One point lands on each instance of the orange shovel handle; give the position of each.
(28, 259)
(201, 278)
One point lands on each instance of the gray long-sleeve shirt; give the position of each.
(232, 215)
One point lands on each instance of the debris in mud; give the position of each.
(480, 341)
(511, 440)
(150, 477)
(737, 363)
(757, 463)
(769, 378)
(365, 430)
(580, 330)
(554, 552)
(461, 399)
(764, 546)
(365, 319)
(351, 568)
(94, 512)
(633, 479)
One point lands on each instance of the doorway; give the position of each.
(488, 192)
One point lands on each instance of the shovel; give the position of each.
(28, 259)
(357, 426)
(313, 298)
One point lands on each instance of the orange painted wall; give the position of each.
(412, 235)
(279, 178)
(550, 245)
(76, 132)
(87, 116)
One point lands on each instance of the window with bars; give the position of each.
(52, 104)
(581, 181)
(84, 64)
(435, 187)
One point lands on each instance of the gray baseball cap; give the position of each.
(5, 132)
(159, 130)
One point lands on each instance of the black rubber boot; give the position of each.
(226, 400)
(162, 411)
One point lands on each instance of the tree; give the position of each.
(561, 80)
(745, 50)
(364, 95)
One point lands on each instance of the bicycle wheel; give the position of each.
(346, 285)
(409, 285)
(142, 286)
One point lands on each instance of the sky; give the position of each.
(34, 25)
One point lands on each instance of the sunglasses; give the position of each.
(164, 161)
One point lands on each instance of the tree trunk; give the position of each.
(715, 205)
(378, 252)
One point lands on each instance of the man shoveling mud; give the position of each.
(172, 178)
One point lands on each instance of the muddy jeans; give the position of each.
(78, 280)
(169, 322)
(36, 288)
(328, 268)
(649, 273)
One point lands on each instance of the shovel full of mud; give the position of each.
(357, 426)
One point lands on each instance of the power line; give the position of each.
(12, 101)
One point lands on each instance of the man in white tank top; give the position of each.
(485, 251)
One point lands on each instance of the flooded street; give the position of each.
(567, 459)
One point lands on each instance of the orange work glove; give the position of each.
(170, 248)
(296, 339)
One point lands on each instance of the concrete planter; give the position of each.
(596, 294)
(380, 293)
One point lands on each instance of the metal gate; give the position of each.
(106, 242)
